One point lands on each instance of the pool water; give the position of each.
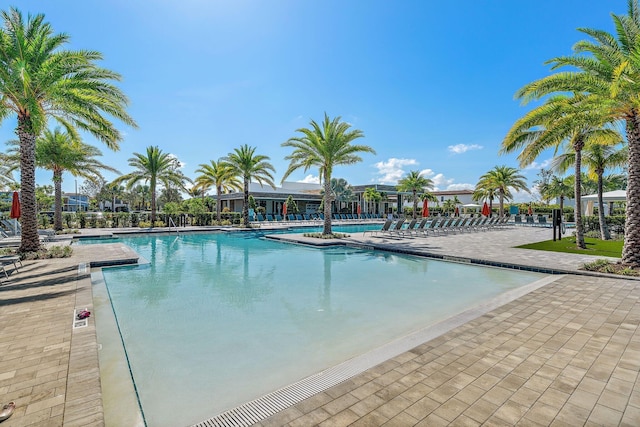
(216, 320)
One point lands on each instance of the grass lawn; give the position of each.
(610, 248)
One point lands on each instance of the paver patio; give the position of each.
(565, 354)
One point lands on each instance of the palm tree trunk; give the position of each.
(57, 207)
(501, 214)
(152, 187)
(578, 194)
(326, 229)
(604, 230)
(29, 241)
(631, 248)
(491, 208)
(218, 203)
(245, 204)
(415, 203)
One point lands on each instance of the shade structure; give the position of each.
(485, 209)
(359, 210)
(425, 209)
(15, 206)
(284, 208)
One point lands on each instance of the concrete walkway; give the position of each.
(565, 354)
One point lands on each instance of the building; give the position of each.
(75, 202)
(309, 196)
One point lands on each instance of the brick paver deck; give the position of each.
(565, 354)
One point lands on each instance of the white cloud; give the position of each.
(440, 181)
(535, 165)
(521, 196)
(392, 170)
(181, 164)
(427, 173)
(461, 187)
(310, 179)
(462, 148)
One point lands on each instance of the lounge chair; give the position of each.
(517, 220)
(385, 228)
(421, 227)
(397, 227)
(7, 260)
(409, 229)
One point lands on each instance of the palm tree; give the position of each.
(371, 195)
(558, 187)
(139, 196)
(325, 146)
(219, 175)
(59, 152)
(607, 68)
(485, 190)
(597, 158)
(415, 183)
(576, 120)
(503, 179)
(250, 166)
(153, 168)
(39, 79)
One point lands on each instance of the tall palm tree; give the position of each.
(607, 67)
(59, 152)
(220, 175)
(415, 183)
(575, 120)
(558, 187)
(153, 167)
(39, 79)
(597, 157)
(325, 146)
(503, 179)
(248, 165)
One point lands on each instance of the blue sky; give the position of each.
(430, 83)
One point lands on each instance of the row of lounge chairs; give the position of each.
(439, 226)
(530, 221)
(313, 217)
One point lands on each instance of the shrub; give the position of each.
(51, 252)
(82, 219)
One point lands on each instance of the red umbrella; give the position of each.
(15, 206)
(284, 209)
(485, 209)
(425, 209)
(359, 210)
(456, 212)
(530, 210)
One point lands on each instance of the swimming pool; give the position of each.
(218, 319)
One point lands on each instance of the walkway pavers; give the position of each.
(565, 354)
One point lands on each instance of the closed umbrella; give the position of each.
(359, 210)
(15, 211)
(530, 210)
(425, 209)
(15, 206)
(485, 209)
(284, 209)
(456, 212)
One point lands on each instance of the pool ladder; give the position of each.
(174, 224)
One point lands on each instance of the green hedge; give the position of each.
(615, 223)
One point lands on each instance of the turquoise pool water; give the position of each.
(216, 320)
